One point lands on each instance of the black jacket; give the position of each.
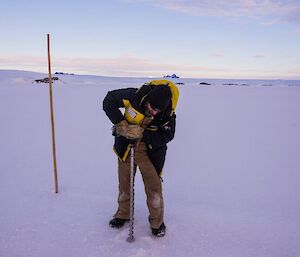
(158, 133)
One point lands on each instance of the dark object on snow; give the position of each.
(117, 223)
(230, 84)
(179, 83)
(64, 73)
(159, 232)
(45, 80)
(204, 83)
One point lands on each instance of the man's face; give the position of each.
(151, 111)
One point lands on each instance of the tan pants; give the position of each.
(152, 183)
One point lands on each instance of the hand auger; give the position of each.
(131, 220)
(132, 145)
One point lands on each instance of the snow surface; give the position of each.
(231, 179)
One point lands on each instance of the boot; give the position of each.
(117, 223)
(159, 232)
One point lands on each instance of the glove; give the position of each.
(121, 128)
(130, 131)
(146, 121)
(134, 132)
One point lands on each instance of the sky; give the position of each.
(148, 38)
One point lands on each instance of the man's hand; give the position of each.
(134, 132)
(146, 121)
(130, 131)
(121, 128)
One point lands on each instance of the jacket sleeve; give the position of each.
(162, 136)
(114, 100)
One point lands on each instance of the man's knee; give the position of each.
(156, 200)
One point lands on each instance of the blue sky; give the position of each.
(208, 39)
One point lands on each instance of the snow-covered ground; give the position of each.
(231, 179)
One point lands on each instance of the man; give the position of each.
(149, 120)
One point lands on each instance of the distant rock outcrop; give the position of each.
(173, 76)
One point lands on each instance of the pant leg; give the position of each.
(123, 211)
(153, 186)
